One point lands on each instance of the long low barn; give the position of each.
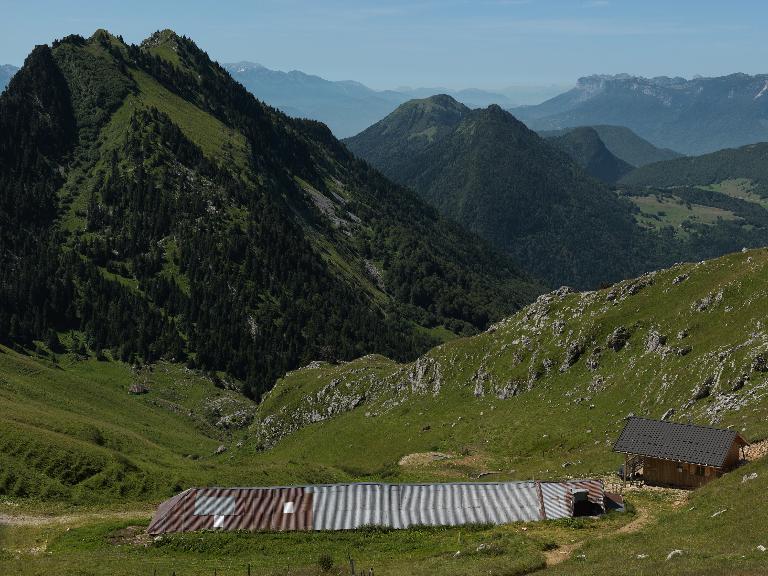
(350, 506)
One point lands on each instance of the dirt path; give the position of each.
(643, 519)
(562, 553)
(64, 519)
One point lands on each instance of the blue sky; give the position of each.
(451, 43)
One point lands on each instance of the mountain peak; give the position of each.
(166, 37)
(440, 100)
(101, 35)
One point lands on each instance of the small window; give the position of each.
(289, 508)
(218, 521)
(699, 470)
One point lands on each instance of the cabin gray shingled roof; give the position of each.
(701, 445)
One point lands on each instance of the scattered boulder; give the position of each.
(761, 548)
(759, 364)
(682, 334)
(593, 361)
(704, 390)
(138, 389)
(425, 376)
(479, 380)
(221, 449)
(668, 414)
(572, 353)
(654, 341)
(739, 382)
(511, 388)
(617, 339)
(747, 477)
(674, 553)
(707, 301)
(679, 279)
(682, 351)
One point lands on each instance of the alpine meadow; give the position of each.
(457, 289)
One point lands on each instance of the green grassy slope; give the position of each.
(718, 531)
(544, 393)
(516, 402)
(71, 433)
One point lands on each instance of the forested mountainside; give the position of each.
(748, 163)
(623, 143)
(489, 172)
(150, 207)
(533, 198)
(586, 147)
(693, 116)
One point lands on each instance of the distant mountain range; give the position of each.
(540, 200)
(6, 73)
(690, 116)
(348, 107)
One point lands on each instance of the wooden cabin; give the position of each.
(677, 455)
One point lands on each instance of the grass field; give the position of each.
(669, 210)
(740, 188)
(718, 530)
(91, 545)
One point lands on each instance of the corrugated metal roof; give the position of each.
(558, 496)
(679, 442)
(350, 506)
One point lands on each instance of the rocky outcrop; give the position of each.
(425, 376)
(617, 339)
(572, 353)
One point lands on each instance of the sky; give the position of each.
(448, 43)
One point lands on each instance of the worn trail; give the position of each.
(64, 519)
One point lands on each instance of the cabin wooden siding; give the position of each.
(659, 472)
